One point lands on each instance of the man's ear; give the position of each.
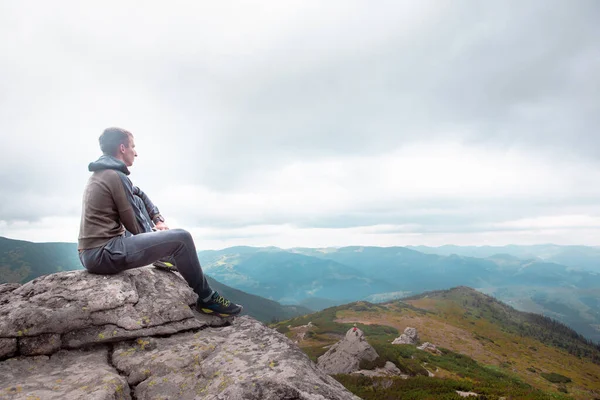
(122, 148)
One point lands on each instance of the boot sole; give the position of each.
(208, 311)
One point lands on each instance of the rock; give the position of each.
(46, 343)
(345, 356)
(142, 341)
(7, 288)
(409, 336)
(84, 309)
(8, 348)
(430, 347)
(112, 333)
(69, 301)
(466, 394)
(389, 369)
(66, 375)
(243, 361)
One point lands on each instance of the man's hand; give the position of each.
(161, 226)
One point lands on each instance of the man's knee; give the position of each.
(181, 234)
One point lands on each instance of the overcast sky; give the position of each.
(310, 123)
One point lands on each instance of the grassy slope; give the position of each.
(466, 322)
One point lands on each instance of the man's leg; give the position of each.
(146, 248)
(133, 251)
(166, 263)
(127, 252)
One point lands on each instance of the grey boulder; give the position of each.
(74, 335)
(345, 356)
(409, 336)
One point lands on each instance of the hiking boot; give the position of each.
(218, 305)
(165, 265)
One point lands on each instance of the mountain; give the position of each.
(576, 257)
(411, 270)
(289, 277)
(262, 309)
(321, 278)
(487, 347)
(534, 285)
(22, 261)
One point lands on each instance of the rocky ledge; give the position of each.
(74, 335)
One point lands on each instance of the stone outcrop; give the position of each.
(389, 369)
(409, 336)
(345, 356)
(75, 335)
(430, 347)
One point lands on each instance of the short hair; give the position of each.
(112, 138)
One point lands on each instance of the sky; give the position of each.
(310, 123)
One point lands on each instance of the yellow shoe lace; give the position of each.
(222, 300)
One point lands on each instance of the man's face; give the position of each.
(129, 153)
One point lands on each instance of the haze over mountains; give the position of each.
(578, 257)
(319, 278)
(529, 278)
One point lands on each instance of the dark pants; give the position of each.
(133, 251)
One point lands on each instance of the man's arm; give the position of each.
(123, 197)
(150, 207)
(153, 212)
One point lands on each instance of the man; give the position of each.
(116, 233)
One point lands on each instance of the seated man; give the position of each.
(115, 235)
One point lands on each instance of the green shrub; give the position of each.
(314, 352)
(563, 389)
(283, 329)
(411, 367)
(370, 365)
(555, 378)
(423, 388)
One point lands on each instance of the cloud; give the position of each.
(425, 116)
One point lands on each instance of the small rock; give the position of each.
(430, 347)
(466, 394)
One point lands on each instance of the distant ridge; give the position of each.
(539, 327)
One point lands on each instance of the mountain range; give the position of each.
(320, 278)
(528, 278)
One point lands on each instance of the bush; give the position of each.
(370, 365)
(411, 367)
(314, 352)
(563, 389)
(422, 388)
(555, 378)
(283, 329)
